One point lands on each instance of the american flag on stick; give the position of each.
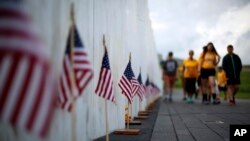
(105, 83)
(128, 83)
(148, 87)
(76, 68)
(26, 89)
(155, 90)
(141, 90)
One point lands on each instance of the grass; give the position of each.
(178, 83)
(244, 92)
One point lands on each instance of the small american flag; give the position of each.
(26, 88)
(148, 88)
(128, 83)
(81, 69)
(155, 90)
(105, 83)
(141, 89)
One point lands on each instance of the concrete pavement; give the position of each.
(180, 121)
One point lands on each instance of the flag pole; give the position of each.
(107, 125)
(139, 99)
(128, 116)
(131, 105)
(128, 101)
(106, 109)
(73, 120)
(131, 110)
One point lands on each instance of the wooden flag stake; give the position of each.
(72, 85)
(104, 42)
(128, 117)
(106, 109)
(140, 105)
(130, 56)
(128, 101)
(131, 113)
(107, 124)
(128, 131)
(140, 101)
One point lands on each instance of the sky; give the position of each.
(182, 25)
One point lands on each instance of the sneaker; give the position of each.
(170, 100)
(234, 100)
(189, 100)
(205, 102)
(184, 98)
(231, 102)
(216, 102)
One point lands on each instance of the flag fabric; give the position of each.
(26, 89)
(141, 89)
(128, 83)
(148, 87)
(79, 67)
(155, 90)
(105, 83)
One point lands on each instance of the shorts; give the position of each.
(190, 85)
(205, 73)
(199, 81)
(233, 81)
(223, 89)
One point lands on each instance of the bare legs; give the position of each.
(208, 89)
(183, 87)
(231, 92)
(170, 84)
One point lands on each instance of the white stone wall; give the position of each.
(127, 28)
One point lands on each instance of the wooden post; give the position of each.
(131, 106)
(139, 99)
(128, 131)
(72, 85)
(139, 105)
(107, 123)
(106, 109)
(128, 117)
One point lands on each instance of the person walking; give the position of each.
(222, 82)
(232, 66)
(170, 74)
(208, 61)
(181, 75)
(190, 70)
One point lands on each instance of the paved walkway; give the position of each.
(179, 121)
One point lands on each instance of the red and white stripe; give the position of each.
(26, 88)
(126, 87)
(148, 89)
(141, 92)
(105, 85)
(82, 70)
(65, 95)
(135, 85)
(79, 74)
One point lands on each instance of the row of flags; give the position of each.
(27, 94)
(80, 70)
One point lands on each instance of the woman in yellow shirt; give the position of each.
(208, 60)
(190, 70)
